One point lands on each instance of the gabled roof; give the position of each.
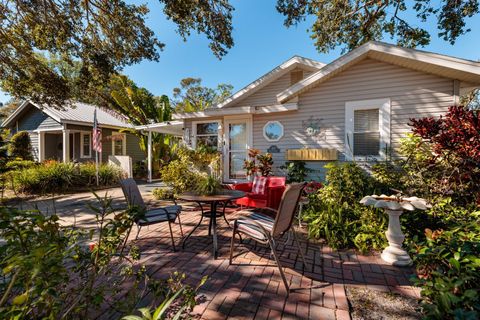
(269, 77)
(78, 113)
(442, 65)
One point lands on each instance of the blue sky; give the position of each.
(261, 43)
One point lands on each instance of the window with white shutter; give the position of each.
(367, 129)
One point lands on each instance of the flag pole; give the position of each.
(95, 132)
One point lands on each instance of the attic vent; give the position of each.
(296, 76)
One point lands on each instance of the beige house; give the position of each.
(356, 107)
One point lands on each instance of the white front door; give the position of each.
(238, 139)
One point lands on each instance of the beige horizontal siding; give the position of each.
(413, 94)
(268, 94)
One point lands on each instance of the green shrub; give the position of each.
(109, 175)
(163, 194)
(297, 171)
(448, 264)
(50, 271)
(55, 177)
(20, 146)
(346, 182)
(335, 214)
(20, 164)
(181, 174)
(139, 169)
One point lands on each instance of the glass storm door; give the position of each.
(237, 142)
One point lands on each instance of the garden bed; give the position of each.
(369, 304)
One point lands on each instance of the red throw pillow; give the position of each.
(259, 184)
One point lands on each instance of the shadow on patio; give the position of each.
(249, 289)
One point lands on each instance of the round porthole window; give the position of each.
(273, 131)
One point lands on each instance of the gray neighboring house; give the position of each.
(66, 134)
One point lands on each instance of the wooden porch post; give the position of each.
(41, 146)
(66, 145)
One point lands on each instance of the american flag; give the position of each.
(97, 134)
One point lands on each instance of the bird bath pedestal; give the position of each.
(394, 254)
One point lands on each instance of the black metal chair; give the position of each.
(152, 215)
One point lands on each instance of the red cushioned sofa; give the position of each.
(269, 199)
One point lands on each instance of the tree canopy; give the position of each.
(101, 36)
(96, 39)
(350, 23)
(192, 96)
(136, 103)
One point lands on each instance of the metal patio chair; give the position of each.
(264, 229)
(152, 215)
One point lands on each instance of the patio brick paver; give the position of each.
(251, 290)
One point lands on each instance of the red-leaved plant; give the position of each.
(455, 142)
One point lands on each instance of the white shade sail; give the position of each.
(174, 127)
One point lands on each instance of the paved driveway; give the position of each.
(74, 208)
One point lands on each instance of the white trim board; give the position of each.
(215, 112)
(384, 106)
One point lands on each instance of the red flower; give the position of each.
(312, 187)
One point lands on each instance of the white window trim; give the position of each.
(82, 155)
(194, 132)
(124, 144)
(281, 135)
(384, 106)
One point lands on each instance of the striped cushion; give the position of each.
(159, 215)
(248, 225)
(259, 184)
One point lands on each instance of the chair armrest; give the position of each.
(274, 195)
(256, 223)
(164, 211)
(245, 187)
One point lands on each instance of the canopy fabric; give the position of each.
(174, 128)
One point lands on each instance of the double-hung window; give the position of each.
(206, 134)
(85, 145)
(119, 144)
(367, 129)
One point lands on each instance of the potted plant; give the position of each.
(208, 186)
(258, 163)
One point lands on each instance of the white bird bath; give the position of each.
(394, 254)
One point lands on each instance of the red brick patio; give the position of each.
(251, 290)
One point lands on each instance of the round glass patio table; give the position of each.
(222, 197)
